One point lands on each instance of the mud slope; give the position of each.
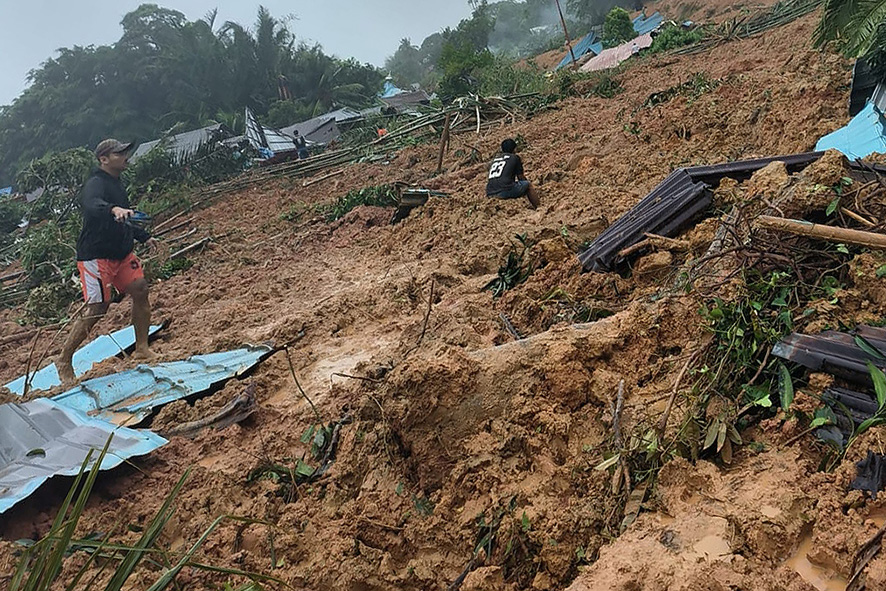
(459, 430)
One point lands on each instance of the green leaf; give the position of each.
(765, 402)
(881, 271)
(832, 206)
(818, 422)
(36, 452)
(734, 435)
(869, 348)
(721, 436)
(711, 435)
(786, 387)
(524, 522)
(307, 435)
(843, 248)
(879, 385)
(303, 469)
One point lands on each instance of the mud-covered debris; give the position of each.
(238, 409)
(871, 475)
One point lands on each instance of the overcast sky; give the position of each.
(368, 30)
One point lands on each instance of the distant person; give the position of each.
(105, 257)
(381, 131)
(635, 49)
(505, 179)
(301, 145)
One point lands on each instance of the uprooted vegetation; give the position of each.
(631, 430)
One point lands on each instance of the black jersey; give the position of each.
(503, 173)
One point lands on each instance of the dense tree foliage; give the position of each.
(617, 28)
(858, 28)
(164, 71)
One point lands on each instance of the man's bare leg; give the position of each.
(141, 318)
(532, 195)
(78, 334)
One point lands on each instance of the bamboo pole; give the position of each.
(822, 232)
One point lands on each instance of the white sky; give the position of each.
(370, 30)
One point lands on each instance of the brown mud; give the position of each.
(458, 425)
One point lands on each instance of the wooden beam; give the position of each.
(823, 232)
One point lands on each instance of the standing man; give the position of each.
(105, 257)
(301, 145)
(505, 179)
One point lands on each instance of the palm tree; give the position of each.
(856, 25)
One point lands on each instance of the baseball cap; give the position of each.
(111, 146)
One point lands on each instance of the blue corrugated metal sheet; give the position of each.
(41, 439)
(644, 24)
(862, 136)
(104, 347)
(590, 43)
(128, 397)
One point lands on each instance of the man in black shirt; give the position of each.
(105, 257)
(505, 179)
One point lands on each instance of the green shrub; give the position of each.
(48, 303)
(673, 36)
(379, 196)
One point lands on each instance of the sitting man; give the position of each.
(505, 179)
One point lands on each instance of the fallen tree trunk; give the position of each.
(823, 232)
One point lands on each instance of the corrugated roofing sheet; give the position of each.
(590, 43)
(644, 24)
(128, 397)
(96, 351)
(403, 99)
(41, 439)
(265, 137)
(864, 135)
(834, 352)
(184, 145)
(676, 201)
(669, 207)
(609, 58)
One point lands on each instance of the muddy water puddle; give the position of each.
(819, 577)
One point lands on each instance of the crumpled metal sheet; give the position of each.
(41, 439)
(94, 352)
(128, 397)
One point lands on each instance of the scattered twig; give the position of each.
(362, 378)
(509, 326)
(200, 243)
(298, 385)
(308, 183)
(28, 375)
(424, 326)
(662, 425)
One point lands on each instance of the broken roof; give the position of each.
(609, 58)
(42, 439)
(184, 145)
(590, 43)
(839, 353)
(321, 130)
(864, 135)
(646, 24)
(266, 137)
(403, 99)
(128, 397)
(678, 199)
(96, 351)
